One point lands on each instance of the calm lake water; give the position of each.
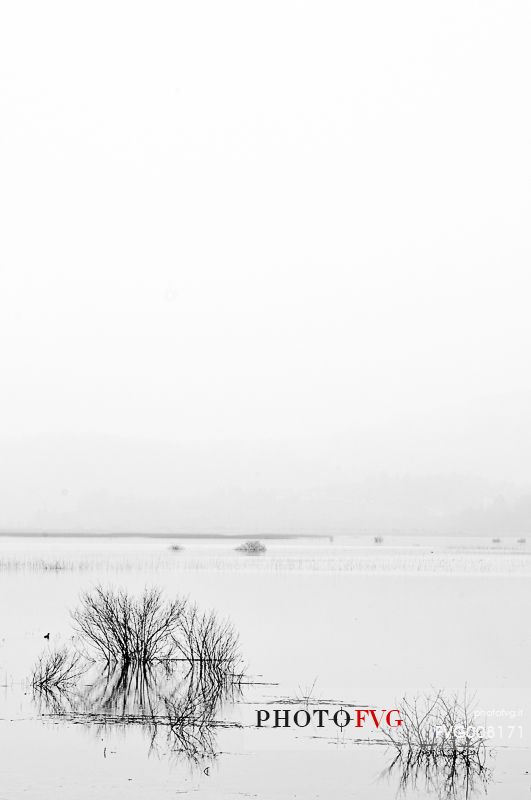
(345, 622)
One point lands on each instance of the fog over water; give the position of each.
(265, 268)
(264, 292)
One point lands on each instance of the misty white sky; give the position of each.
(294, 230)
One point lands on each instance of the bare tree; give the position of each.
(119, 628)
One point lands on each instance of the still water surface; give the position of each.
(334, 622)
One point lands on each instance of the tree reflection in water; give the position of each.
(169, 701)
(174, 702)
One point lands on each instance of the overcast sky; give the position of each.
(282, 227)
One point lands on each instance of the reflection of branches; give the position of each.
(192, 714)
(190, 718)
(53, 700)
(446, 776)
(438, 744)
(169, 701)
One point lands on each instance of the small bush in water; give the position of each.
(252, 547)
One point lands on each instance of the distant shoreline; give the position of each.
(271, 536)
(27, 535)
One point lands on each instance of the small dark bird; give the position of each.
(47, 636)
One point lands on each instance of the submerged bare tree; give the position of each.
(119, 628)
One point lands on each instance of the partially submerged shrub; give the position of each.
(176, 547)
(521, 540)
(57, 669)
(439, 744)
(119, 628)
(204, 640)
(496, 541)
(441, 723)
(378, 540)
(253, 547)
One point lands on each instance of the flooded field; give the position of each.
(332, 625)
